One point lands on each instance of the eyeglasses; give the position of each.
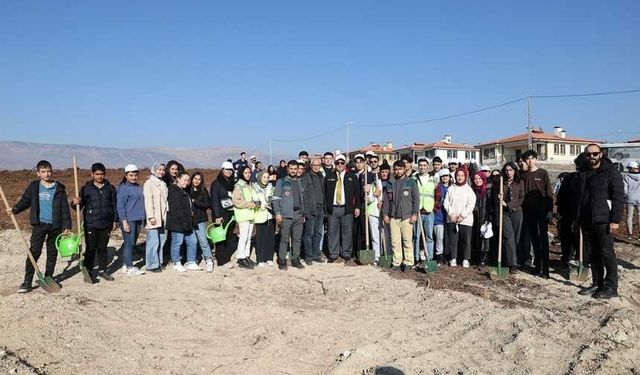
(339, 162)
(592, 153)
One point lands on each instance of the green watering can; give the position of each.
(68, 244)
(218, 233)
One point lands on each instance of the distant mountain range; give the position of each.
(23, 155)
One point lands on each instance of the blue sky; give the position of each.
(209, 73)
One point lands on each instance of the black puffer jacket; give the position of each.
(31, 199)
(221, 190)
(598, 188)
(99, 205)
(180, 215)
(201, 203)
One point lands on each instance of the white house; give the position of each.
(553, 148)
(443, 148)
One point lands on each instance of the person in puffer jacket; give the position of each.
(440, 215)
(631, 182)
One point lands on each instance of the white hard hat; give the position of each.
(443, 172)
(130, 168)
(341, 157)
(484, 168)
(358, 156)
(633, 164)
(227, 165)
(453, 161)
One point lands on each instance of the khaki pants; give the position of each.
(402, 241)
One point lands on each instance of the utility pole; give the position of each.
(529, 126)
(348, 138)
(270, 152)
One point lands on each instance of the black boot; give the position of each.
(605, 293)
(589, 290)
(296, 263)
(282, 264)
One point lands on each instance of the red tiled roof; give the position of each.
(439, 145)
(375, 148)
(538, 135)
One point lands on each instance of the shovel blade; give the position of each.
(499, 273)
(366, 256)
(430, 266)
(385, 261)
(86, 276)
(48, 284)
(579, 273)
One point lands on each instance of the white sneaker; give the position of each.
(453, 263)
(209, 265)
(465, 263)
(270, 263)
(134, 271)
(262, 264)
(124, 269)
(192, 266)
(178, 267)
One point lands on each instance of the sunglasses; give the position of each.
(340, 162)
(592, 153)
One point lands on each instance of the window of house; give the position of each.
(563, 150)
(489, 153)
(452, 154)
(469, 155)
(556, 149)
(430, 154)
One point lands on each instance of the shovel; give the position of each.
(366, 255)
(45, 282)
(499, 272)
(386, 259)
(579, 273)
(85, 273)
(429, 265)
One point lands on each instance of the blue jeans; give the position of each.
(177, 239)
(155, 243)
(427, 226)
(130, 240)
(313, 231)
(201, 236)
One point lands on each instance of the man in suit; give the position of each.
(342, 200)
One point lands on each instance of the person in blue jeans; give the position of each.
(201, 203)
(155, 205)
(131, 215)
(181, 224)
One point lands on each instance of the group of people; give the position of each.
(329, 209)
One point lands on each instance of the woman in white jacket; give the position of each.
(155, 206)
(459, 204)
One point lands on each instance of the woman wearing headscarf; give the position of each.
(155, 206)
(459, 204)
(244, 206)
(480, 244)
(222, 211)
(201, 203)
(265, 225)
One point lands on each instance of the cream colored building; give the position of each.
(553, 148)
(443, 148)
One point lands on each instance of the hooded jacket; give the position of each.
(180, 216)
(602, 190)
(631, 188)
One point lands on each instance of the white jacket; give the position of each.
(155, 201)
(460, 201)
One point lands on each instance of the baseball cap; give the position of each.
(484, 168)
(341, 157)
(227, 165)
(370, 153)
(423, 158)
(130, 168)
(633, 164)
(443, 172)
(359, 156)
(453, 161)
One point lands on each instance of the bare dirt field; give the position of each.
(325, 319)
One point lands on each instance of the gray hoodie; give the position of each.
(631, 188)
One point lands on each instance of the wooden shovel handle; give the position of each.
(500, 220)
(15, 224)
(75, 180)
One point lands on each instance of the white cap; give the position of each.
(227, 165)
(453, 161)
(370, 153)
(359, 156)
(130, 168)
(253, 157)
(443, 172)
(484, 168)
(301, 162)
(633, 164)
(341, 157)
(423, 158)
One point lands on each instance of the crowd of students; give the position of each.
(317, 210)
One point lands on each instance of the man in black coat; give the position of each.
(342, 200)
(601, 201)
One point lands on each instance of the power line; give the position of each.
(585, 94)
(498, 106)
(310, 137)
(443, 117)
